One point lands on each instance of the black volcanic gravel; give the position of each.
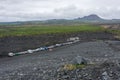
(45, 65)
(17, 44)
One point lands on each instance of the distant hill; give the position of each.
(91, 19)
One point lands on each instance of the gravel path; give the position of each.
(43, 65)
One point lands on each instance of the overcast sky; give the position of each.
(20, 10)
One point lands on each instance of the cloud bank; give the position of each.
(22, 10)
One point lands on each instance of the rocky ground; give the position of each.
(17, 44)
(103, 57)
(104, 71)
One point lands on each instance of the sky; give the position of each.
(27, 10)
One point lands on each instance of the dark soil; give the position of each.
(16, 44)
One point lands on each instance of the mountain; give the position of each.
(92, 19)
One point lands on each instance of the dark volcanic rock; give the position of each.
(104, 71)
(79, 60)
(16, 44)
(46, 65)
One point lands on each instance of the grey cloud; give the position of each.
(15, 10)
(2, 7)
(70, 11)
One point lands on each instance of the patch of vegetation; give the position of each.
(73, 66)
(116, 32)
(37, 30)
